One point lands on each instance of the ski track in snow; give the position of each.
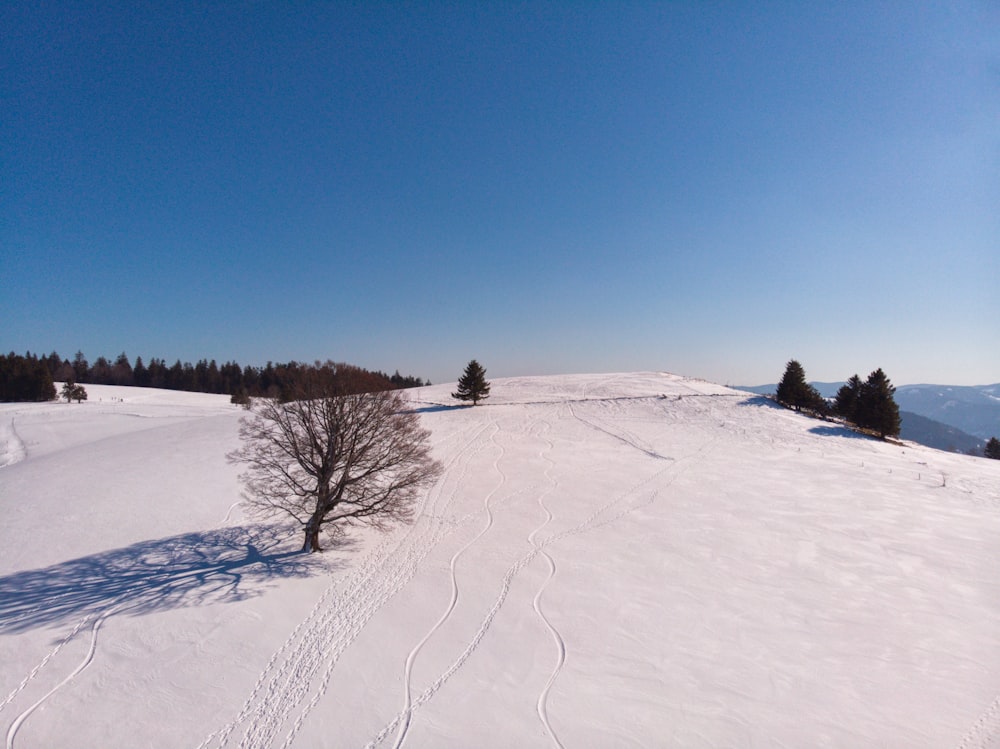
(620, 435)
(88, 658)
(412, 656)
(49, 656)
(229, 512)
(336, 620)
(299, 673)
(285, 689)
(625, 504)
(95, 620)
(541, 706)
(12, 449)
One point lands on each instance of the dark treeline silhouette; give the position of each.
(25, 378)
(31, 377)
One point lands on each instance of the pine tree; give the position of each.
(81, 369)
(795, 392)
(472, 385)
(25, 378)
(877, 409)
(140, 375)
(121, 371)
(992, 449)
(846, 402)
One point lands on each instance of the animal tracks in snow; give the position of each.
(88, 658)
(985, 732)
(300, 671)
(404, 721)
(604, 561)
(455, 523)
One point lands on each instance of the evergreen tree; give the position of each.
(472, 385)
(846, 402)
(992, 449)
(65, 372)
(795, 392)
(72, 391)
(213, 380)
(25, 378)
(100, 371)
(54, 364)
(241, 398)
(140, 375)
(877, 409)
(42, 388)
(121, 371)
(232, 377)
(81, 369)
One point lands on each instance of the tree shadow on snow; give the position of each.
(434, 408)
(761, 401)
(840, 431)
(222, 565)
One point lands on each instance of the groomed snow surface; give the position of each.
(606, 561)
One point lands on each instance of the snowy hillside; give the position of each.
(606, 560)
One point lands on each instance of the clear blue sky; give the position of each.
(707, 188)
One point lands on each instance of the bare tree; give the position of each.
(330, 455)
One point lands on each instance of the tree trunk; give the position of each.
(311, 542)
(312, 529)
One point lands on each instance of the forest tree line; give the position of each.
(32, 377)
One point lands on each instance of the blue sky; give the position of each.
(704, 188)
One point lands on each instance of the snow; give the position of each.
(607, 560)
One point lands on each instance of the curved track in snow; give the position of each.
(453, 601)
(12, 449)
(621, 505)
(541, 706)
(604, 560)
(303, 666)
(88, 658)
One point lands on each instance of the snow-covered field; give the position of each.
(606, 561)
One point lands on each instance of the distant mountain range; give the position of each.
(975, 410)
(947, 417)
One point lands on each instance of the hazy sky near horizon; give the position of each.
(705, 188)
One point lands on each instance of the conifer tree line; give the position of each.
(867, 405)
(25, 378)
(32, 377)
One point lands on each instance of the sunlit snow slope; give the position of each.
(606, 560)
